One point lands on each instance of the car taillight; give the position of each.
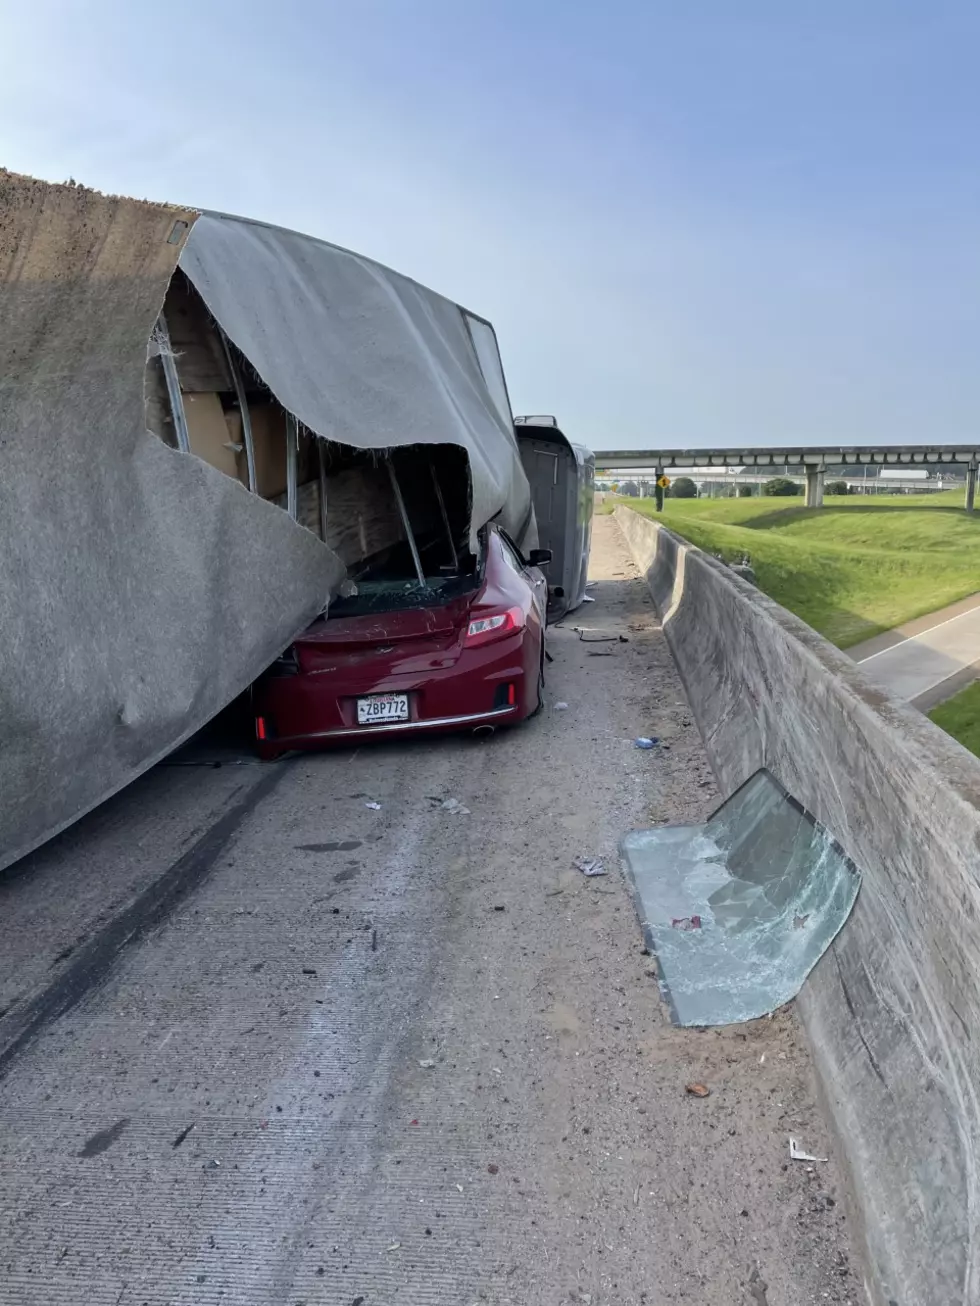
(483, 630)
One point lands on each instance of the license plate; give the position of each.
(382, 707)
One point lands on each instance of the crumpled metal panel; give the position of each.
(740, 910)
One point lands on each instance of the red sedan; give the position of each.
(461, 653)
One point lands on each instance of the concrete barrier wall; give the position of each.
(893, 1008)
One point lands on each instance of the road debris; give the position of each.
(493, 1169)
(697, 1090)
(587, 598)
(644, 742)
(686, 922)
(590, 866)
(375, 807)
(427, 1064)
(393, 1248)
(455, 806)
(797, 1153)
(561, 707)
(182, 1135)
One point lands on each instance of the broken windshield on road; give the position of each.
(739, 910)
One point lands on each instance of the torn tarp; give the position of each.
(738, 911)
(364, 356)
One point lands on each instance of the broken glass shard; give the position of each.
(739, 910)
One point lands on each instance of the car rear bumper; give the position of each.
(469, 721)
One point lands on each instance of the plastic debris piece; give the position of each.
(686, 922)
(427, 1064)
(561, 707)
(589, 865)
(460, 1187)
(375, 807)
(455, 806)
(587, 598)
(796, 1153)
(697, 1090)
(393, 1247)
(644, 742)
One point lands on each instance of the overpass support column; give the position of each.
(971, 486)
(814, 487)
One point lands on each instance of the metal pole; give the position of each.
(173, 386)
(321, 450)
(236, 380)
(397, 490)
(292, 451)
(971, 486)
(445, 515)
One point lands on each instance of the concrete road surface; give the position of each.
(932, 662)
(263, 1045)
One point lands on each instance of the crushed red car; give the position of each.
(459, 650)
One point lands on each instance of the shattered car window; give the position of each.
(393, 596)
(738, 911)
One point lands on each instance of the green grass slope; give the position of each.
(856, 567)
(960, 717)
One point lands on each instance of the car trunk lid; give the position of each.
(408, 632)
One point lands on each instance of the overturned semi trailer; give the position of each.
(208, 426)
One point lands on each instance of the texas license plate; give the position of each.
(382, 707)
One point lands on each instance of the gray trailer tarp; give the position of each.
(363, 355)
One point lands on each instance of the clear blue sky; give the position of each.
(690, 221)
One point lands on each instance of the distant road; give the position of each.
(928, 660)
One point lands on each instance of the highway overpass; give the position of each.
(811, 461)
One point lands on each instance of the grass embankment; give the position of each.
(857, 566)
(960, 717)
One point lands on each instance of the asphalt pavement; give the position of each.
(930, 659)
(265, 1043)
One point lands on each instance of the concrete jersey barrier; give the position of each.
(893, 1008)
